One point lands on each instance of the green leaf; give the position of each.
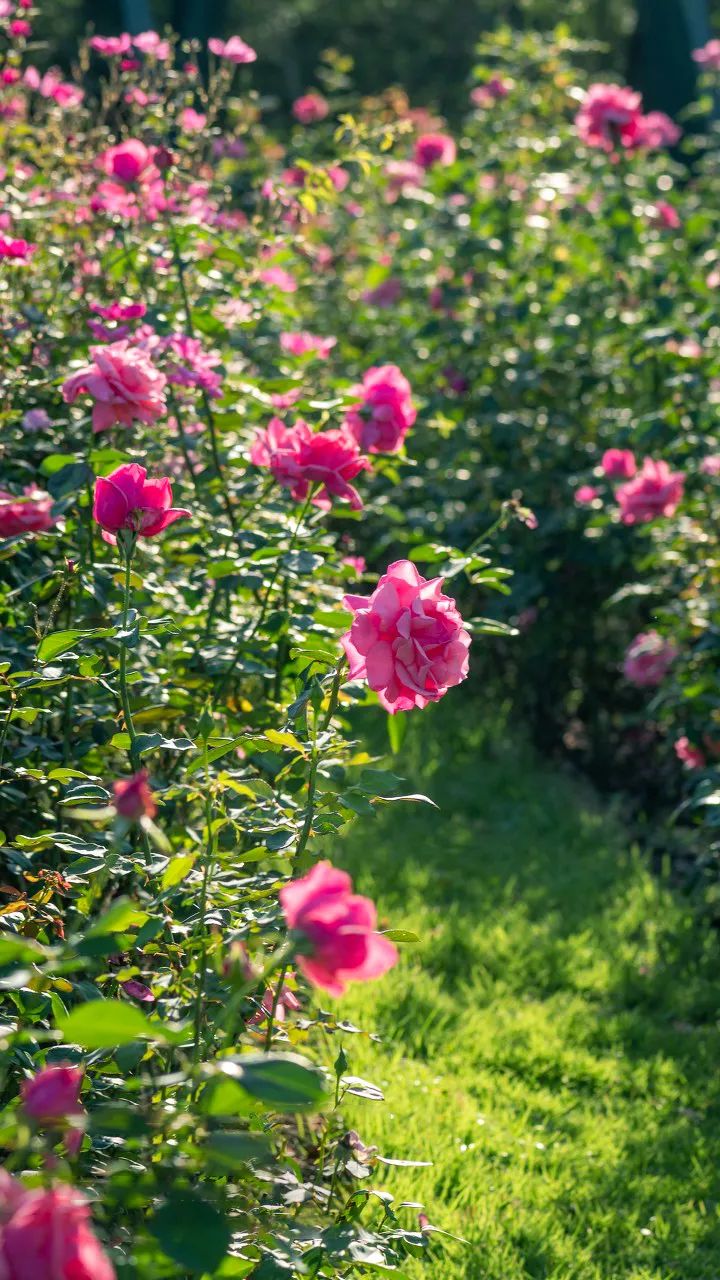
(103, 1024)
(285, 1082)
(59, 642)
(401, 935)
(177, 869)
(235, 1149)
(118, 919)
(191, 1232)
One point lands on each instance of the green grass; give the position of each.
(552, 1045)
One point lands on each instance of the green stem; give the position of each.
(276, 1000)
(312, 787)
(202, 928)
(124, 693)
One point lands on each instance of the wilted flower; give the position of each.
(339, 929)
(407, 639)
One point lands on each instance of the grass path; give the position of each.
(553, 1043)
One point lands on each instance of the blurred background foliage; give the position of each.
(424, 45)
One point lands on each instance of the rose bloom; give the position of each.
(657, 130)
(234, 50)
(110, 46)
(403, 177)
(286, 1000)
(709, 55)
(339, 929)
(710, 466)
(128, 499)
(434, 148)
(384, 413)
(648, 659)
(310, 108)
(586, 495)
(619, 464)
(16, 249)
(301, 344)
(134, 798)
(52, 1097)
(128, 162)
(665, 215)
(609, 116)
(123, 382)
(46, 1235)
(192, 121)
(655, 491)
(407, 639)
(692, 757)
(152, 43)
(299, 459)
(28, 514)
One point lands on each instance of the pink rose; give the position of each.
(648, 659)
(301, 459)
(192, 121)
(666, 215)
(47, 1234)
(339, 928)
(692, 757)
(303, 343)
(128, 162)
(586, 495)
(234, 50)
(618, 464)
(15, 249)
(655, 491)
(710, 466)
(123, 382)
(407, 639)
(310, 108)
(280, 278)
(657, 130)
(127, 499)
(384, 413)
(52, 1098)
(709, 55)
(134, 798)
(29, 514)
(358, 564)
(403, 177)
(286, 1000)
(110, 46)
(609, 116)
(152, 43)
(434, 148)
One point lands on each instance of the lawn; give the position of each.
(551, 1044)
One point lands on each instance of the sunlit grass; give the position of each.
(552, 1044)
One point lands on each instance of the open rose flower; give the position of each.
(52, 1098)
(310, 108)
(301, 459)
(648, 659)
(407, 639)
(655, 491)
(708, 56)
(304, 343)
(384, 412)
(233, 50)
(129, 499)
(133, 797)
(129, 162)
(338, 928)
(46, 1235)
(586, 495)
(434, 148)
(123, 382)
(609, 117)
(30, 513)
(619, 464)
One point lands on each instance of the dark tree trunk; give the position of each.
(137, 16)
(198, 19)
(661, 64)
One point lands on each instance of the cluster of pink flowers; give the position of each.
(648, 659)
(48, 1234)
(51, 85)
(384, 412)
(339, 928)
(124, 384)
(407, 639)
(654, 491)
(302, 461)
(611, 116)
(150, 43)
(32, 513)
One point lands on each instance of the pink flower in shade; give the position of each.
(280, 278)
(709, 55)
(385, 294)
(29, 514)
(407, 639)
(648, 659)
(47, 1234)
(619, 464)
(304, 343)
(287, 1000)
(403, 177)
(692, 757)
(434, 148)
(609, 115)
(52, 1098)
(123, 382)
(234, 50)
(127, 499)
(192, 121)
(111, 46)
(358, 564)
(586, 495)
(310, 108)
(710, 466)
(152, 43)
(483, 95)
(300, 459)
(20, 27)
(384, 413)
(128, 162)
(655, 491)
(338, 927)
(133, 796)
(666, 215)
(16, 250)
